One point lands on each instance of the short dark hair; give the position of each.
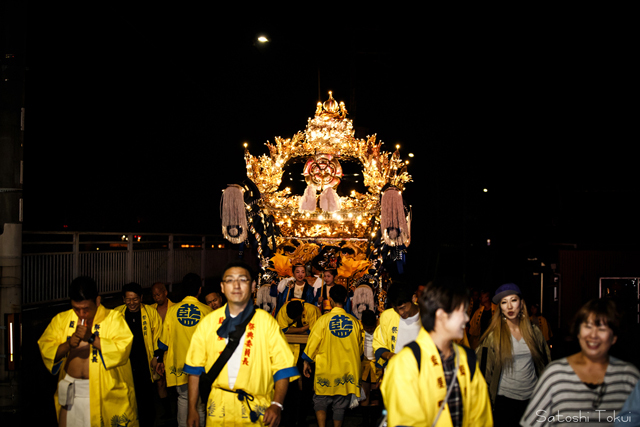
(294, 266)
(368, 318)
(333, 271)
(446, 293)
(213, 288)
(294, 309)
(338, 294)
(400, 292)
(240, 264)
(83, 288)
(191, 284)
(132, 287)
(604, 311)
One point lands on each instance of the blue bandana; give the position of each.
(230, 323)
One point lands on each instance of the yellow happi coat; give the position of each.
(413, 397)
(151, 329)
(266, 358)
(179, 326)
(541, 322)
(310, 313)
(385, 335)
(475, 329)
(111, 390)
(335, 344)
(169, 305)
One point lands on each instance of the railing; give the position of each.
(52, 259)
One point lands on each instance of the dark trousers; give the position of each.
(145, 391)
(298, 402)
(507, 412)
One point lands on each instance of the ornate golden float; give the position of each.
(294, 228)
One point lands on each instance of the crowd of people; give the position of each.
(228, 355)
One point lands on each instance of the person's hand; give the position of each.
(307, 369)
(160, 369)
(74, 341)
(272, 416)
(193, 419)
(83, 332)
(387, 355)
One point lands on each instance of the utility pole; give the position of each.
(12, 116)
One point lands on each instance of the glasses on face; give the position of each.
(598, 400)
(231, 280)
(131, 300)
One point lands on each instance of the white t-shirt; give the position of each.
(408, 331)
(233, 365)
(297, 291)
(518, 381)
(368, 346)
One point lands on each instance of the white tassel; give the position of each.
(308, 200)
(329, 200)
(234, 216)
(362, 300)
(395, 231)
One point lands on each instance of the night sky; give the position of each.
(136, 118)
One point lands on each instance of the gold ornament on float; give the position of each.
(320, 217)
(327, 140)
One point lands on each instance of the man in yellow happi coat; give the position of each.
(399, 325)
(145, 325)
(435, 381)
(88, 346)
(162, 302)
(162, 305)
(179, 326)
(335, 344)
(481, 319)
(298, 318)
(253, 383)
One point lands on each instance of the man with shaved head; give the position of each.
(159, 293)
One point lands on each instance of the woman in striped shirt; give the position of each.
(589, 387)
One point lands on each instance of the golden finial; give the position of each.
(330, 105)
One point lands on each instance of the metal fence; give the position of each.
(52, 259)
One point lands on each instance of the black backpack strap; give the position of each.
(471, 361)
(416, 352)
(207, 379)
(471, 357)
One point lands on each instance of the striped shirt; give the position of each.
(560, 397)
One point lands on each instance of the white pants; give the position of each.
(78, 412)
(183, 406)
